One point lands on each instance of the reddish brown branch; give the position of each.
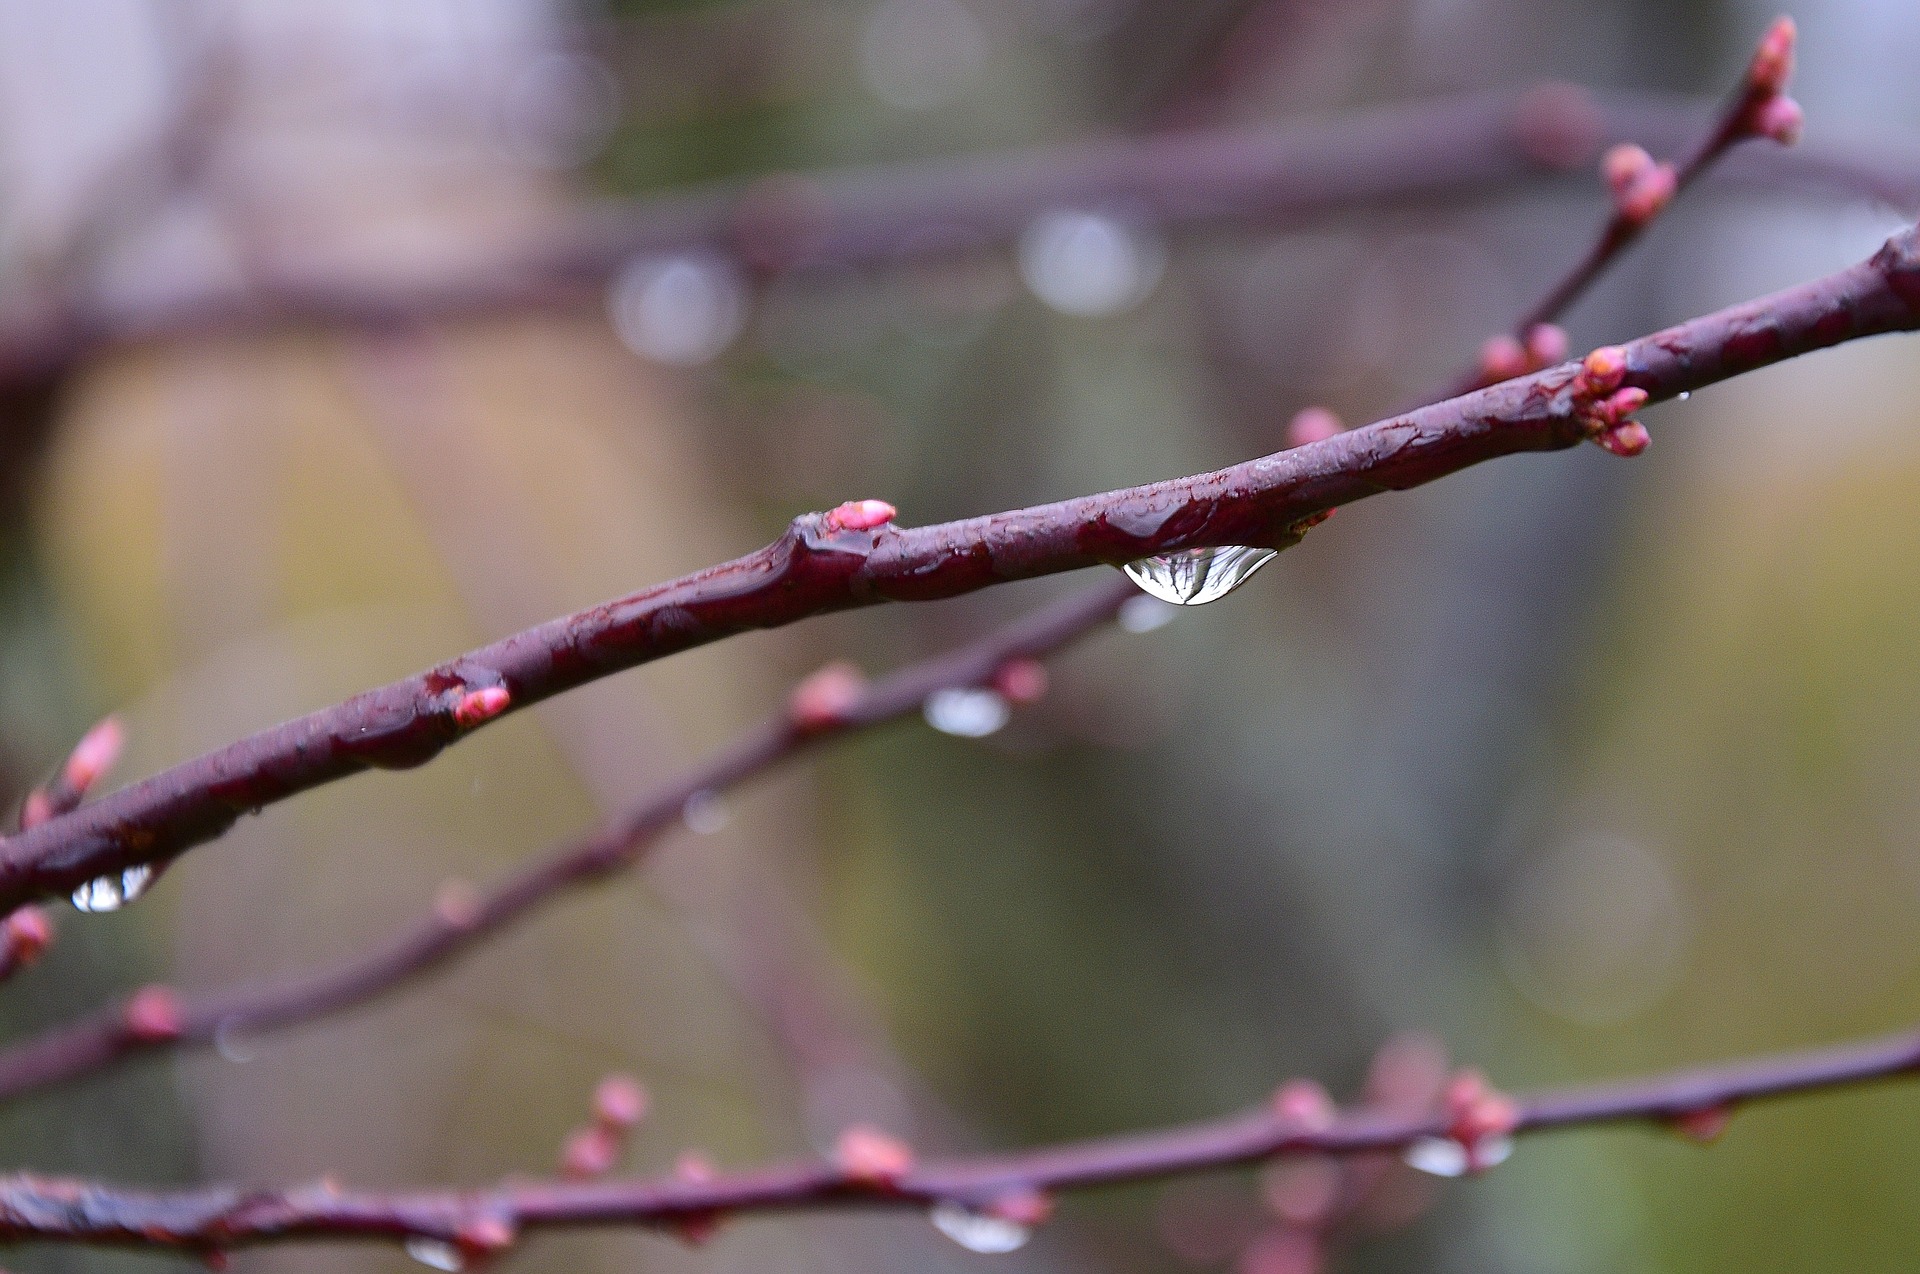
(1742, 117)
(459, 924)
(484, 1221)
(821, 565)
(1195, 180)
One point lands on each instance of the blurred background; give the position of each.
(336, 338)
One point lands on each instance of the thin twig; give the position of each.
(481, 1223)
(826, 707)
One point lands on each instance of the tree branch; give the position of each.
(482, 1223)
(827, 706)
(847, 559)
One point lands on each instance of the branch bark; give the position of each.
(481, 1223)
(823, 565)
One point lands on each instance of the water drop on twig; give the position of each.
(978, 1231)
(115, 890)
(436, 1253)
(969, 712)
(1194, 577)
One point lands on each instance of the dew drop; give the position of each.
(1194, 577)
(230, 1043)
(1088, 263)
(1445, 1157)
(970, 712)
(1144, 614)
(436, 1253)
(1438, 1156)
(979, 1231)
(112, 892)
(1685, 394)
(684, 309)
(705, 813)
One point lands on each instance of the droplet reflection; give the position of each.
(684, 309)
(969, 712)
(979, 1231)
(1194, 577)
(436, 1253)
(112, 892)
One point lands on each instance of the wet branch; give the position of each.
(482, 1223)
(852, 557)
(827, 706)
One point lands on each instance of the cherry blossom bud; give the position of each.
(1622, 403)
(860, 515)
(1779, 118)
(24, 935)
(1705, 1125)
(823, 699)
(456, 904)
(1772, 64)
(1647, 194)
(37, 809)
(1029, 1208)
(1304, 1104)
(1546, 345)
(871, 1157)
(1021, 680)
(1602, 371)
(153, 1015)
(480, 705)
(695, 1228)
(1303, 1191)
(1629, 438)
(1502, 358)
(1623, 165)
(485, 1236)
(1311, 425)
(589, 1152)
(1477, 1111)
(94, 755)
(619, 1102)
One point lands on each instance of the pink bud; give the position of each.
(480, 705)
(26, 933)
(860, 515)
(1705, 1125)
(1622, 403)
(95, 754)
(695, 1228)
(1602, 371)
(1021, 680)
(1312, 424)
(1546, 345)
(1779, 118)
(1623, 165)
(153, 1015)
(1304, 1104)
(822, 700)
(619, 1102)
(871, 1157)
(1029, 1208)
(456, 903)
(1629, 438)
(588, 1153)
(1772, 64)
(1303, 1191)
(37, 809)
(1647, 194)
(484, 1236)
(1502, 358)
